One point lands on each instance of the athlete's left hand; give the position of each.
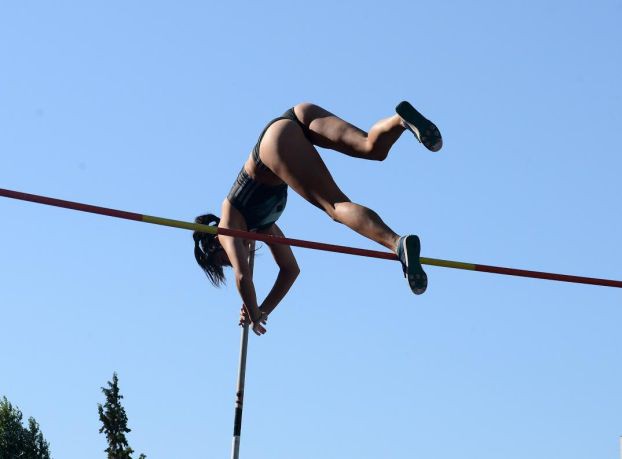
(244, 320)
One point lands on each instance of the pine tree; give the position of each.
(114, 420)
(17, 441)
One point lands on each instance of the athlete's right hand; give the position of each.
(258, 325)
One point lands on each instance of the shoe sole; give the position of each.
(416, 276)
(418, 123)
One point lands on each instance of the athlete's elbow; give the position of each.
(291, 271)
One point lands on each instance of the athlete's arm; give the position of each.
(237, 250)
(288, 271)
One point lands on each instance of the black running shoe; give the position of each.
(425, 130)
(408, 249)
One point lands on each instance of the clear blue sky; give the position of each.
(153, 106)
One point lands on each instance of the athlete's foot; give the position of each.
(424, 130)
(408, 249)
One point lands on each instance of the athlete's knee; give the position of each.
(332, 213)
(377, 154)
(333, 209)
(372, 151)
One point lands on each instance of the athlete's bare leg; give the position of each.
(290, 155)
(329, 131)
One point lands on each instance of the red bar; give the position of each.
(268, 238)
(306, 244)
(70, 205)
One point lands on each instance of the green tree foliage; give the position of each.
(17, 441)
(114, 422)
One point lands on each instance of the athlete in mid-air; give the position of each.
(285, 156)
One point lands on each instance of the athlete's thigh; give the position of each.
(288, 153)
(329, 131)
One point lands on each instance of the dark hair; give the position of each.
(205, 245)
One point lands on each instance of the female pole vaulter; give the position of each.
(285, 157)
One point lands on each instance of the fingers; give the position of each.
(258, 326)
(244, 320)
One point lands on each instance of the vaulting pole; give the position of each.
(239, 393)
(270, 239)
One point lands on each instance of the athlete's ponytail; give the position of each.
(205, 245)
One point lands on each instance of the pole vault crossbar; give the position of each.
(270, 239)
